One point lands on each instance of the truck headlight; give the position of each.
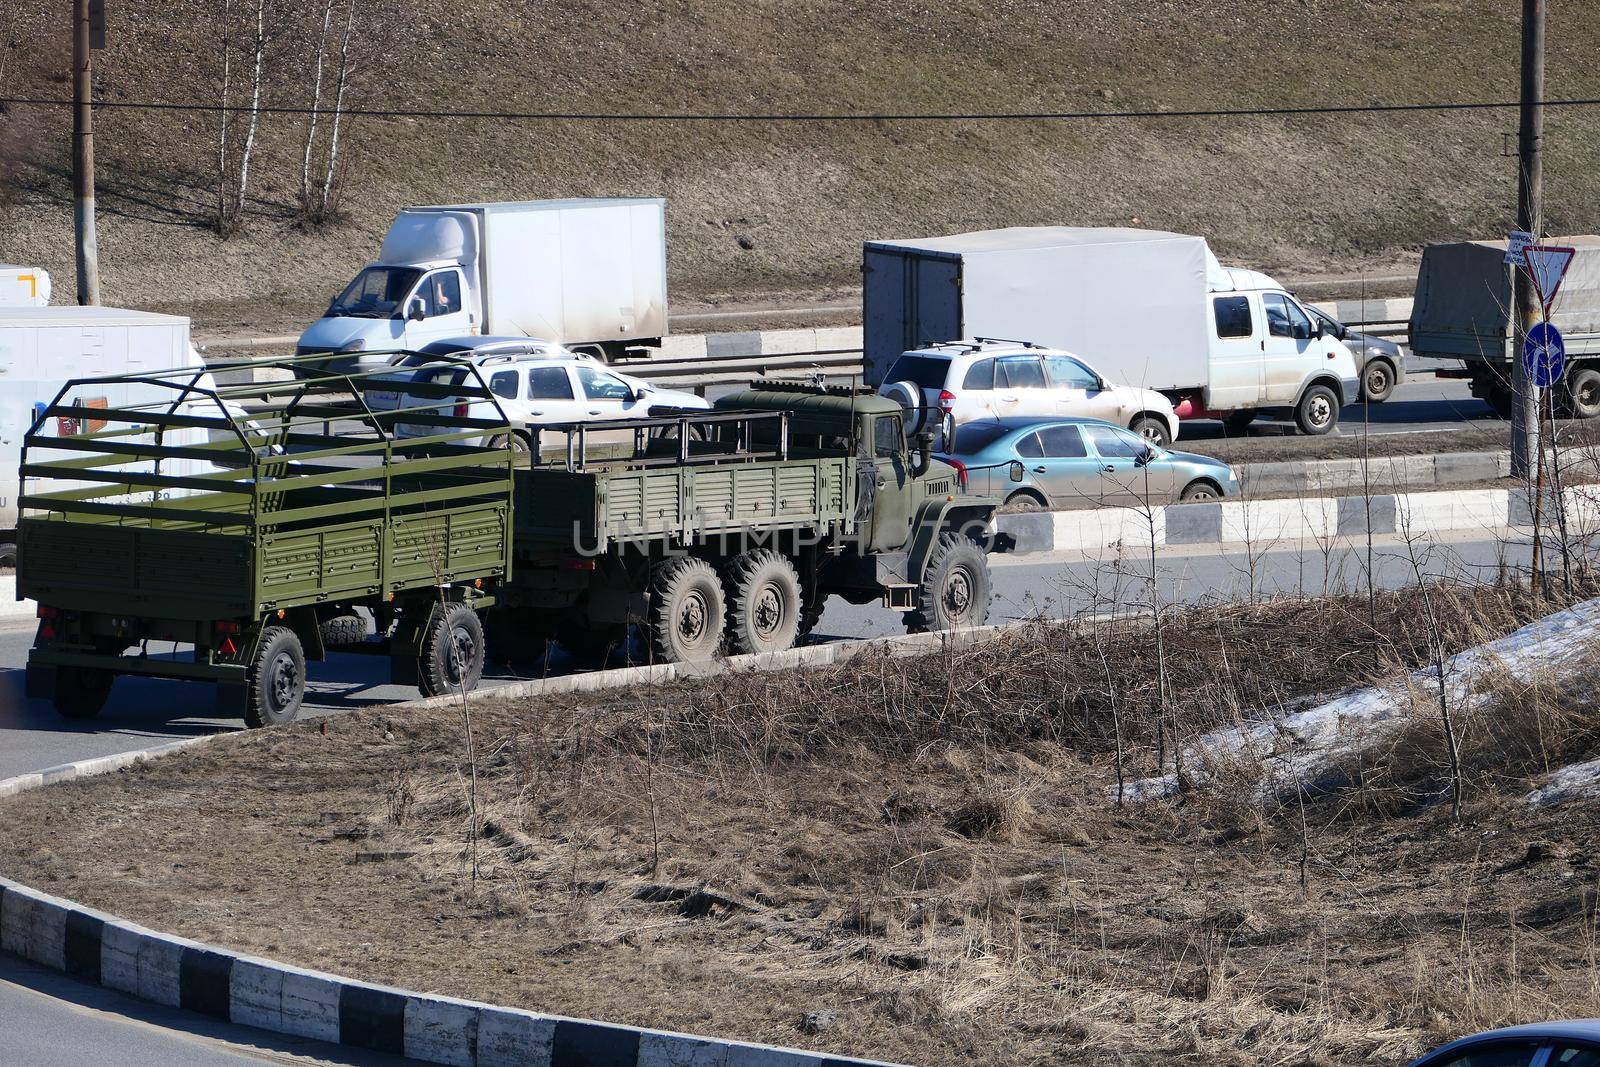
(358, 345)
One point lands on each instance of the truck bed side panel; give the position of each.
(447, 545)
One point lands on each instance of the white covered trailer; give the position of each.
(42, 347)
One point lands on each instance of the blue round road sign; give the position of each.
(1544, 355)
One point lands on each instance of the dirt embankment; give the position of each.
(917, 859)
(782, 208)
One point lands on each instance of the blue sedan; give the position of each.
(1565, 1044)
(1065, 463)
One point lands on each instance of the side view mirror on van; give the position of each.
(414, 311)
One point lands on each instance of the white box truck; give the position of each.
(588, 273)
(1143, 307)
(42, 347)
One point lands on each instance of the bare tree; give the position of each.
(316, 105)
(225, 220)
(259, 48)
(327, 202)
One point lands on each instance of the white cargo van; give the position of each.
(590, 274)
(42, 347)
(1145, 308)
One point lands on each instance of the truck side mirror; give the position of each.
(414, 311)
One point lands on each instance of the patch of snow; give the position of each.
(1576, 781)
(1303, 749)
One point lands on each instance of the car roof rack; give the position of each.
(799, 385)
(1007, 341)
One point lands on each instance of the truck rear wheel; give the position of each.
(955, 588)
(763, 594)
(1582, 399)
(81, 692)
(686, 610)
(276, 682)
(1318, 411)
(450, 659)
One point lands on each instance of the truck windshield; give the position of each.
(376, 293)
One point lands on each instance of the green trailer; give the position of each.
(256, 527)
(247, 524)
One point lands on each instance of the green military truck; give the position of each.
(238, 558)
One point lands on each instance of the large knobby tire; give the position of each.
(82, 691)
(343, 628)
(1153, 429)
(1377, 381)
(686, 611)
(8, 557)
(763, 593)
(1582, 399)
(276, 682)
(1318, 411)
(955, 588)
(450, 659)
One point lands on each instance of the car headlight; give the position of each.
(1233, 475)
(358, 345)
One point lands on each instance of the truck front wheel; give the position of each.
(686, 611)
(955, 588)
(763, 594)
(276, 682)
(451, 657)
(1318, 411)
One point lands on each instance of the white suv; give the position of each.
(533, 390)
(954, 382)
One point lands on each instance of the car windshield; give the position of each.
(977, 436)
(376, 293)
(928, 372)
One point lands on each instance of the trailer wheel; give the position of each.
(1317, 412)
(82, 692)
(955, 588)
(763, 594)
(1583, 400)
(686, 611)
(276, 681)
(451, 657)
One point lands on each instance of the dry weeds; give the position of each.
(907, 858)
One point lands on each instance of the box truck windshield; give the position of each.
(376, 293)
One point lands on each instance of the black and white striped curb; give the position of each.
(1265, 522)
(104, 950)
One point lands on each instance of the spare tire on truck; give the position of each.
(909, 396)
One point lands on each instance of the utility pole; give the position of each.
(83, 151)
(1530, 211)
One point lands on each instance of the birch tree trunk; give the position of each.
(328, 198)
(316, 103)
(224, 212)
(255, 108)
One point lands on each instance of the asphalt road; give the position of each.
(52, 1021)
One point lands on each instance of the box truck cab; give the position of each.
(588, 273)
(1146, 308)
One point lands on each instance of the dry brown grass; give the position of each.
(914, 859)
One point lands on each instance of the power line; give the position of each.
(977, 116)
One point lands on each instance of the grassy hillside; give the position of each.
(1307, 194)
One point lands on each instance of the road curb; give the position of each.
(103, 950)
(1262, 522)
